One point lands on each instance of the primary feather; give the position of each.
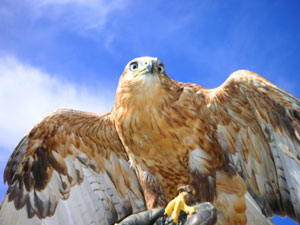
(71, 168)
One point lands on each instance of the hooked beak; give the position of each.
(149, 67)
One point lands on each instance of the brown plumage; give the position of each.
(237, 146)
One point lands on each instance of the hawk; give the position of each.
(236, 146)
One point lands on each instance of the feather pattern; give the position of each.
(71, 163)
(257, 125)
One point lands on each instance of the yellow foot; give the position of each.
(176, 205)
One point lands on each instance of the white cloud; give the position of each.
(49, 19)
(27, 94)
(76, 15)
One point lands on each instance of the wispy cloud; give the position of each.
(76, 15)
(27, 94)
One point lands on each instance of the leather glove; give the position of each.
(205, 215)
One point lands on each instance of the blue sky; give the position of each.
(70, 53)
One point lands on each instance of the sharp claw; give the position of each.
(176, 206)
(169, 221)
(166, 220)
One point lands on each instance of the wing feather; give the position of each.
(257, 125)
(71, 168)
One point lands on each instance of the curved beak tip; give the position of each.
(149, 67)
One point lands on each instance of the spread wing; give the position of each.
(258, 126)
(71, 168)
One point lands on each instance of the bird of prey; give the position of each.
(236, 146)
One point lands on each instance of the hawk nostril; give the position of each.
(149, 67)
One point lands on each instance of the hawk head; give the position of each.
(144, 81)
(144, 68)
(143, 73)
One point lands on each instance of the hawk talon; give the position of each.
(165, 220)
(169, 221)
(176, 205)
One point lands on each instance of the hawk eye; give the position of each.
(160, 68)
(133, 66)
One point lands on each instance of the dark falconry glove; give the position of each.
(205, 215)
(148, 217)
